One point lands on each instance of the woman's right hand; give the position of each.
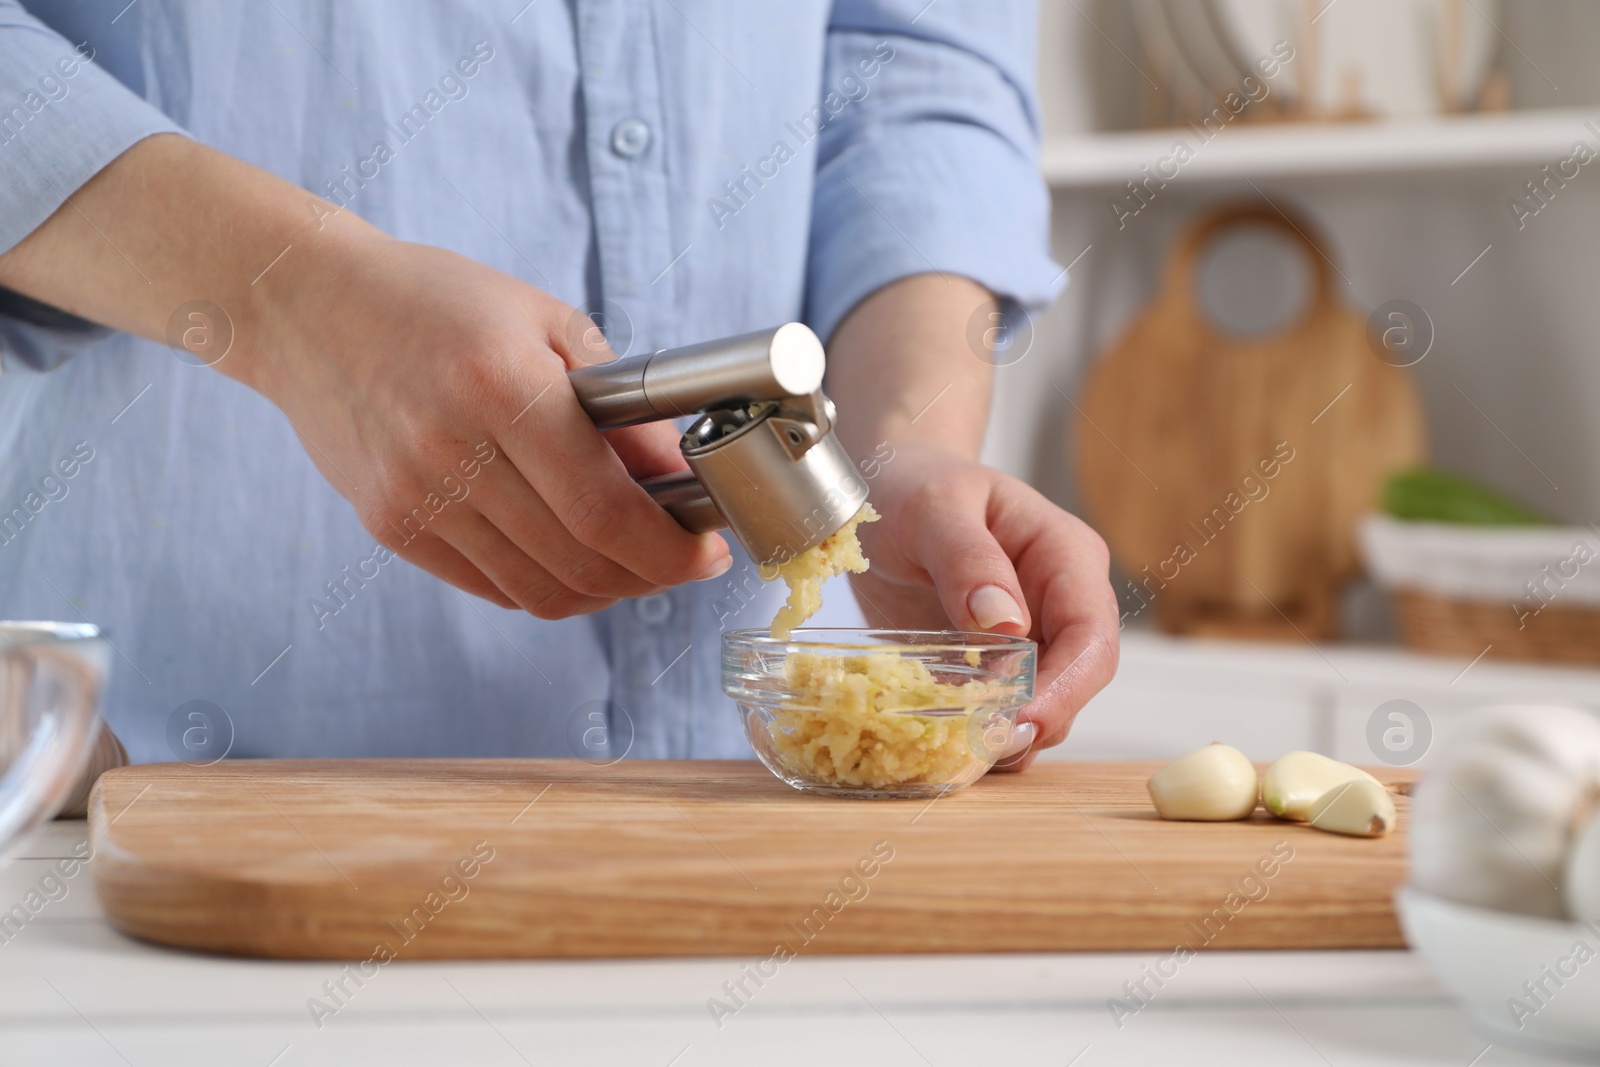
(431, 391)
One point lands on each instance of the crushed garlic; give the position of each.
(840, 551)
(852, 720)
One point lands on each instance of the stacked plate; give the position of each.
(1350, 58)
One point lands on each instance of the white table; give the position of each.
(73, 991)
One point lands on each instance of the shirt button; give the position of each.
(653, 610)
(630, 137)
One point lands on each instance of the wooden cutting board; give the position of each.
(341, 859)
(1227, 473)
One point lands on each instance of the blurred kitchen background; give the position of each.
(1436, 156)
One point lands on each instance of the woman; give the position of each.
(330, 478)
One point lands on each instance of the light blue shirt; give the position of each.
(690, 168)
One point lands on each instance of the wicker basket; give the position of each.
(1452, 626)
(1461, 590)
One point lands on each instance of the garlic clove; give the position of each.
(1566, 740)
(1495, 824)
(1298, 780)
(1490, 829)
(1360, 807)
(1212, 784)
(1581, 886)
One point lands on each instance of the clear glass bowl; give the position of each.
(878, 713)
(51, 678)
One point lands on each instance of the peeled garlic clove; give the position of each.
(1298, 780)
(1212, 784)
(1360, 807)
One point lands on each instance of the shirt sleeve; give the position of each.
(928, 159)
(62, 119)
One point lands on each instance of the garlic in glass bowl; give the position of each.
(878, 713)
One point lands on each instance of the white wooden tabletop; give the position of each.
(74, 991)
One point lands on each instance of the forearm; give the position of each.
(168, 222)
(902, 369)
(402, 367)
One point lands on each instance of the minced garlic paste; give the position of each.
(840, 551)
(854, 722)
(852, 719)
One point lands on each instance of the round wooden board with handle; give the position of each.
(1226, 473)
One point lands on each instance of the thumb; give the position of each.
(975, 579)
(645, 450)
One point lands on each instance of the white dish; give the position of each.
(1195, 32)
(1393, 48)
(1483, 562)
(1484, 958)
(1183, 86)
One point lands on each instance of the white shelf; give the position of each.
(1172, 695)
(1530, 138)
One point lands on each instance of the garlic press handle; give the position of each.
(772, 364)
(685, 499)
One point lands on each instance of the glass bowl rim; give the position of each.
(958, 642)
(15, 633)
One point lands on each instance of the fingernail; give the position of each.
(716, 570)
(991, 605)
(1022, 736)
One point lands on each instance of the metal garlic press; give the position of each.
(763, 458)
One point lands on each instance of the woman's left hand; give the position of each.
(963, 545)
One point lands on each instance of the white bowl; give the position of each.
(1484, 958)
